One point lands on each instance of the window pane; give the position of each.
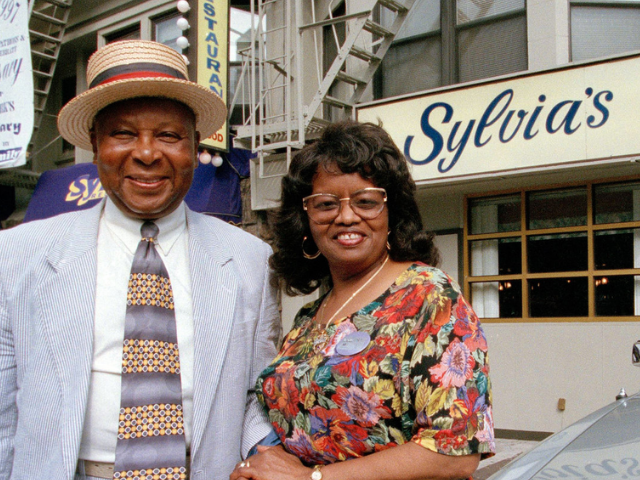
(128, 33)
(618, 296)
(501, 256)
(492, 49)
(244, 96)
(240, 32)
(469, 10)
(565, 252)
(424, 17)
(617, 203)
(411, 67)
(495, 214)
(559, 208)
(167, 32)
(558, 297)
(616, 249)
(603, 31)
(497, 299)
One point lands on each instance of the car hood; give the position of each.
(603, 445)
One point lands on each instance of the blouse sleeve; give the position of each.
(447, 373)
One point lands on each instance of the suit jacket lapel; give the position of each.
(214, 291)
(67, 301)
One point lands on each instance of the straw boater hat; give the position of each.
(136, 68)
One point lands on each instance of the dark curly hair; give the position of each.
(363, 148)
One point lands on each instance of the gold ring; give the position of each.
(248, 464)
(243, 464)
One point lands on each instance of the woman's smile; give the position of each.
(349, 239)
(352, 245)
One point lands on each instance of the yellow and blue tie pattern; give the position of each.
(151, 442)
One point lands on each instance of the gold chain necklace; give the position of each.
(352, 295)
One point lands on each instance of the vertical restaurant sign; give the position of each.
(16, 83)
(213, 59)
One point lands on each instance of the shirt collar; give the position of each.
(127, 229)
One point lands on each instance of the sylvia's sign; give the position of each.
(574, 114)
(501, 123)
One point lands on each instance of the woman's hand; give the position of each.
(271, 463)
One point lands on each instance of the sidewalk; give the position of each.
(507, 451)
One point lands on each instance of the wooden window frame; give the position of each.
(524, 233)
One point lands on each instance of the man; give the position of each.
(68, 298)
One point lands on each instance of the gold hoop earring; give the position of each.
(306, 255)
(388, 244)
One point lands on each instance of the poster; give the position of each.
(16, 83)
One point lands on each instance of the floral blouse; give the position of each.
(422, 377)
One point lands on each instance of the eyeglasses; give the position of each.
(324, 208)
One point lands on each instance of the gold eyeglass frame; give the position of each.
(340, 200)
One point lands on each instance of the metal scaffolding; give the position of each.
(298, 63)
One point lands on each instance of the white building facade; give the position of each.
(519, 119)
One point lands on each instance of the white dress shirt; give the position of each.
(118, 239)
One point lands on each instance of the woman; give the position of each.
(389, 368)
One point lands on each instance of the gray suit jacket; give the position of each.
(47, 293)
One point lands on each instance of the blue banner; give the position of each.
(215, 190)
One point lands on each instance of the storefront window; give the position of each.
(558, 297)
(617, 203)
(617, 249)
(581, 255)
(500, 256)
(497, 299)
(618, 295)
(565, 252)
(556, 209)
(495, 214)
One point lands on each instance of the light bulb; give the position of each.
(186, 59)
(183, 6)
(182, 23)
(205, 157)
(216, 160)
(182, 42)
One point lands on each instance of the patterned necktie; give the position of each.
(151, 442)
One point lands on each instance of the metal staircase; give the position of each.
(288, 79)
(47, 25)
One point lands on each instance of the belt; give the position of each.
(98, 469)
(105, 470)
